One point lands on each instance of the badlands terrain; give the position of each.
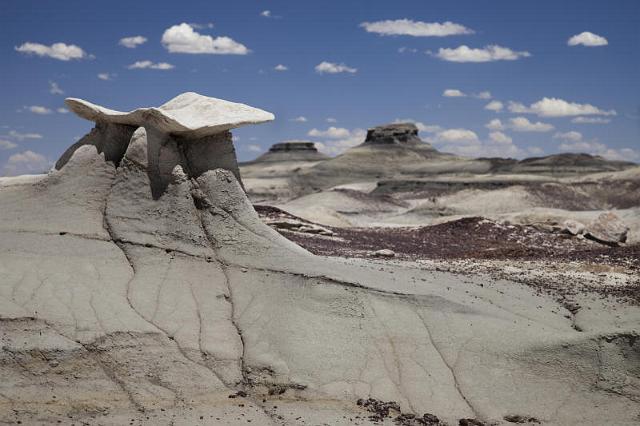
(150, 279)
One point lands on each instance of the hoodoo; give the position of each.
(138, 285)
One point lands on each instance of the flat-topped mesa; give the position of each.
(393, 134)
(190, 130)
(292, 151)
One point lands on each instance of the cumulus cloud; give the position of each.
(281, 67)
(483, 95)
(455, 136)
(415, 28)
(132, 42)
(62, 111)
(574, 142)
(37, 109)
(333, 68)
(4, 144)
(55, 89)
(184, 39)
(555, 107)
(522, 124)
(60, 51)
(106, 76)
(487, 54)
(467, 143)
(426, 128)
(265, 14)
(591, 120)
(331, 133)
(27, 162)
(572, 136)
(453, 93)
(404, 49)
(22, 136)
(300, 119)
(496, 106)
(500, 138)
(587, 39)
(139, 65)
(494, 124)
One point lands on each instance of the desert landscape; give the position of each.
(171, 254)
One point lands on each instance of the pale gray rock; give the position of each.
(383, 253)
(608, 228)
(188, 114)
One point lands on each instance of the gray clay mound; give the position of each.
(145, 289)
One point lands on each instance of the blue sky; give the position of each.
(547, 95)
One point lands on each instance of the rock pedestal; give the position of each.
(190, 130)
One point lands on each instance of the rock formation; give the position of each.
(401, 133)
(138, 285)
(292, 151)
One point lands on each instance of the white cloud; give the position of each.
(500, 138)
(26, 162)
(535, 150)
(496, 106)
(426, 128)
(483, 95)
(467, 143)
(574, 142)
(54, 89)
(281, 67)
(37, 109)
(453, 93)
(407, 49)
(7, 144)
(331, 120)
(455, 136)
(132, 42)
(494, 124)
(150, 65)
(201, 26)
(106, 76)
(300, 119)
(415, 28)
(555, 107)
(331, 133)
(587, 39)
(522, 124)
(60, 51)
(254, 148)
(572, 136)
(62, 110)
(337, 145)
(23, 136)
(265, 14)
(591, 120)
(183, 39)
(333, 68)
(487, 54)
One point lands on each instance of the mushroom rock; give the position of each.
(191, 130)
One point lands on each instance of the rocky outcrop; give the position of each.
(190, 130)
(292, 151)
(390, 134)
